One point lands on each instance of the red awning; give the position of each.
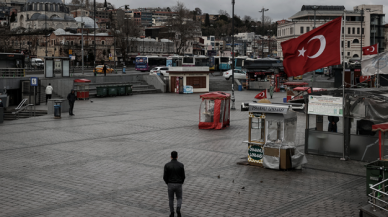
(293, 83)
(380, 127)
(215, 95)
(82, 80)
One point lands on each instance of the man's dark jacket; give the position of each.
(174, 172)
(71, 97)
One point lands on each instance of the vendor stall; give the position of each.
(271, 136)
(196, 76)
(345, 131)
(214, 112)
(81, 86)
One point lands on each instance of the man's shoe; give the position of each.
(172, 214)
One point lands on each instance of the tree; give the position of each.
(184, 27)
(223, 12)
(198, 11)
(207, 20)
(13, 17)
(224, 18)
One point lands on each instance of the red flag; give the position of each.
(321, 47)
(261, 95)
(370, 50)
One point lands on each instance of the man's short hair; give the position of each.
(174, 154)
(49, 83)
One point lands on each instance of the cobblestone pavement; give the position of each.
(108, 161)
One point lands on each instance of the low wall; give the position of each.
(156, 81)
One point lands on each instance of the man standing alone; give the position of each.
(71, 97)
(174, 176)
(49, 92)
(104, 69)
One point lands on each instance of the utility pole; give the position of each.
(82, 36)
(233, 98)
(94, 24)
(45, 24)
(263, 10)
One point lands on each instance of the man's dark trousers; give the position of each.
(175, 188)
(71, 104)
(48, 96)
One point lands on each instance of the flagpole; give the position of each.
(343, 87)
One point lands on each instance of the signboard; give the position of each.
(255, 153)
(34, 81)
(70, 51)
(72, 57)
(264, 108)
(325, 105)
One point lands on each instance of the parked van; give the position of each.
(37, 62)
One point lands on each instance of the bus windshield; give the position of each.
(239, 62)
(224, 59)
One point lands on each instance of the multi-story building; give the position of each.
(146, 18)
(364, 26)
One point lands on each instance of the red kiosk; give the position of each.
(81, 86)
(382, 128)
(214, 112)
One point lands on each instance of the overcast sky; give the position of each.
(278, 9)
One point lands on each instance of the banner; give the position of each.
(376, 63)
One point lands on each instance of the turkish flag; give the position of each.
(321, 47)
(370, 50)
(262, 95)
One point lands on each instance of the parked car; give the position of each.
(161, 70)
(99, 68)
(37, 63)
(239, 74)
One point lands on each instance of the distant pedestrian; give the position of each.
(1, 104)
(271, 90)
(174, 176)
(49, 92)
(71, 98)
(104, 68)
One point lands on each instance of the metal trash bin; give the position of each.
(121, 90)
(128, 89)
(57, 111)
(112, 90)
(102, 91)
(376, 172)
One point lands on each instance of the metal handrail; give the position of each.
(374, 200)
(21, 104)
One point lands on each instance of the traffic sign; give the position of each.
(70, 51)
(70, 56)
(34, 81)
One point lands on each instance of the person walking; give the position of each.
(271, 90)
(71, 98)
(333, 120)
(104, 69)
(49, 92)
(174, 176)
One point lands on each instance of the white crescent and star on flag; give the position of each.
(322, 47)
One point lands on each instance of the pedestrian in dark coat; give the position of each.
(104, 69)
(71, 98)
(174, 176)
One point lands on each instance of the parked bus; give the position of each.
(201, 60)
(174, 61)
(146, 63)
(239, 62)
(219, 63)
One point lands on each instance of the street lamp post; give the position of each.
(94, 25)
(168, 42)
(269, 41)
(233, 98)
(315, 8)
(45, 24)
(126, 47)
(262, 26)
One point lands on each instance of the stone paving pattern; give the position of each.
(108, 161)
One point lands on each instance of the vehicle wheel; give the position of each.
(227, 78)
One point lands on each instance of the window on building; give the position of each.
(353, 30)
(342, 30)
(349, 30)
(342, 43)
(356, 41)
(342, 53)
(362, 31)
(80, 42)
(301, 30)
(71, 42)
(291, 30)
(92, 42)
(103, 42)
(358, 31)
(307, 29)
(348, 43)
(348, 53)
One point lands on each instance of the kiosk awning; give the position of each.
(380, 127)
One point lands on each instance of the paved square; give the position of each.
(108, 160)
